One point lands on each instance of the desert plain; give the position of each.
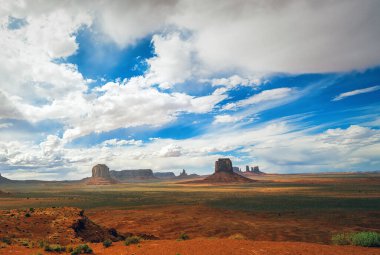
(277, 214)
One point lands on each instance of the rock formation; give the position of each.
(223, 165)
(183, 173)
(256, 170)
(133, 175)
(101, 170)
(4, 180)
(247, 168)
(100, 176)
(236, 169)
(63, 225)
(224, 174)
(164, 175)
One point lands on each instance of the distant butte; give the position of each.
(100, 176)
(224, 174)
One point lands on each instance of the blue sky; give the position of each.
(172, 86)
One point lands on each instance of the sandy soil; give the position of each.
(213, 247)
(201, 221)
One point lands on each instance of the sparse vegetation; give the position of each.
(6, 240)
(365, 239)
(27, 215)
(107, 243)
(132, 240)
(82, 249)
(54, 248)
(183, 237)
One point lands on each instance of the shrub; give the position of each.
(27, 215)
(107, 243)
(54, 247)
(341, 239)
(183, 237)
(132, 240)
(6, 240)
(82, 249)
(40, 244)
(366, 239)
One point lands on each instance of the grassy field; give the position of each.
(271, 193)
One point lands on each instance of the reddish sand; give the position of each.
(212, 247)
(200, 221)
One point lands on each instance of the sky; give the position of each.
(290, 86)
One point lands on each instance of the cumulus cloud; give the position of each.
(356, 92)
(173, 62)
(171, 150)
(290, 36)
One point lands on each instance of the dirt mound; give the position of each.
(63, 225)
(223, 177)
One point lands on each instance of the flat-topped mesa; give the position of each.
(223, 165)
(101, 170)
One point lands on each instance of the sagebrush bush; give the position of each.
(54, 247)
(341, 239)
(107, 243)
(365, 239)
(82, 249)
(132, 240)
(183, 237)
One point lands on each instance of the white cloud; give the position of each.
(226, 118)
(171, 150)
(173, 62)
(117, 142)
(234, 80)
(291, 36)
(356, 92)
(6, 125)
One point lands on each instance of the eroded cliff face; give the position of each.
(101, 170)
(138, 174)
(223, 165)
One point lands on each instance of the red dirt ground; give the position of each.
(212, 247)
(200, 221)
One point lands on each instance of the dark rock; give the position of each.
(256, 170)
(223, 165)
(131, 175)
(101, 170)
(164, 175)
(183, 174)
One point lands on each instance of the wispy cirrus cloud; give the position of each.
(356, 92)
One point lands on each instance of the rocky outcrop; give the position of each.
(54, 225)
(133, 175)
(256, 170)
(101, 170)
(100, 176)
(4, 180)
(224, 174)
(223, 165)
(164, 175)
